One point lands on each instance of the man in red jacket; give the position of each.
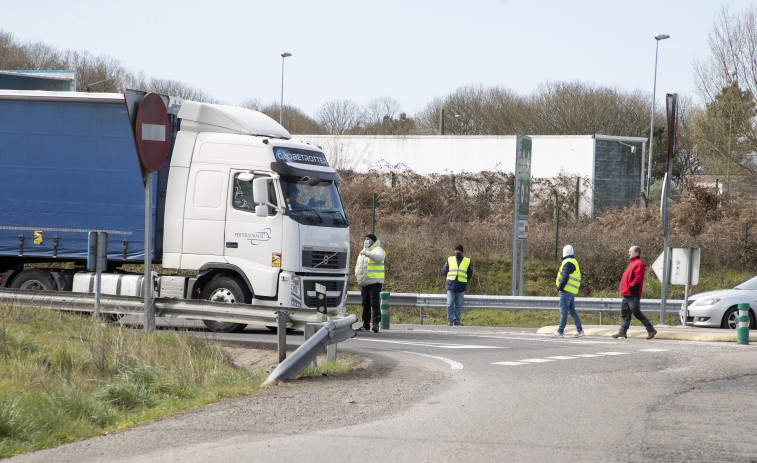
(631, 284)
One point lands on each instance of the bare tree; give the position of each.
(378, 109)
(252, 103)
(573, 108)
(179, 89)
(733, 54)
(12, 54)
(295, 120)
(339, 117)
(726, 135)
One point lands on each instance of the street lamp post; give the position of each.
(732, 74)
(657, 38)
(281, 105)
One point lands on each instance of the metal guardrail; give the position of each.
(591, 304)
(333, 331)
(164, 307)
(245, 313)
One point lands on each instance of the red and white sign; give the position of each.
(153, 132)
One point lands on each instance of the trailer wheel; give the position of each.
(33, 279)
(225, 289)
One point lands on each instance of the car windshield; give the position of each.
(750, 284)
(312, 201)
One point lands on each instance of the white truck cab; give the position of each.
(245, 203)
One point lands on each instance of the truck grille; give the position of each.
(324, 260)
(331, 287)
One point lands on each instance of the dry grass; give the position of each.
(420, 219)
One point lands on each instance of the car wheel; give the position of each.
(730, 319)
(33, 279)
(229, 290)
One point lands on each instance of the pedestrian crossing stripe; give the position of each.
(569, 357)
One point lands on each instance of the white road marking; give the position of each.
(570, 357)
(452, 364)
(433, 344)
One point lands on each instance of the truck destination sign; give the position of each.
(300, 156)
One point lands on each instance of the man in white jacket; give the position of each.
(370, 274)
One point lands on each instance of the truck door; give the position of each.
(253, 243)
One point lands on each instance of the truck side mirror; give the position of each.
(261, 210)
(260, 192)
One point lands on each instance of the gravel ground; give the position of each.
(378, 387)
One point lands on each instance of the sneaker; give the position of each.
(375, 329)
(651, 334)
(458, 324)
(557, 334)
(450, 324)
(362, 328)
(619, 335)
(580, 334)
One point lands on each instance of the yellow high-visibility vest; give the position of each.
(574, 279)
(376, 269)
(458, 273)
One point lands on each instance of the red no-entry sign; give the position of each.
(153, 133)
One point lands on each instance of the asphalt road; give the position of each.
(481, 394)
(519, 396)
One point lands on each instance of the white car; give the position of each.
(720, 309)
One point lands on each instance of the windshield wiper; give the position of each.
(313, 210)
(342, 218)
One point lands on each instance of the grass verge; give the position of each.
(65, 377)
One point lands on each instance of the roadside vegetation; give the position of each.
(65, 377)
(419, 220)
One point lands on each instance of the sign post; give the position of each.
(682, 269)
(521, 199)
(672, 119)
(151, 131)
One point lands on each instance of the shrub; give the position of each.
(419, 220)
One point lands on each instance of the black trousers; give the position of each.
(370, 295)
(632, 306)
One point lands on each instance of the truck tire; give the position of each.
(225, 289)
(33, 279)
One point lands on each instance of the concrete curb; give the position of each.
(680, 333)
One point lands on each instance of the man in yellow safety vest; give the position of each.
(568, 281)
(370, 274)
(458, 270)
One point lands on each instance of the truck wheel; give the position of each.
(33, 279)
(225, 289)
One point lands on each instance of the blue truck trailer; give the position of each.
(69, 166)
(255, 214)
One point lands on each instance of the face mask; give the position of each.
(459, 254)
(367, 244)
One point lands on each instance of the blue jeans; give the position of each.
(568, 306)
(454, 305)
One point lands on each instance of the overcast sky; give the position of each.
(412, 51)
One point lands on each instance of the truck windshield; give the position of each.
(312, 202)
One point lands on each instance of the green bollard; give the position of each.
(384, 295)
(742, 332)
